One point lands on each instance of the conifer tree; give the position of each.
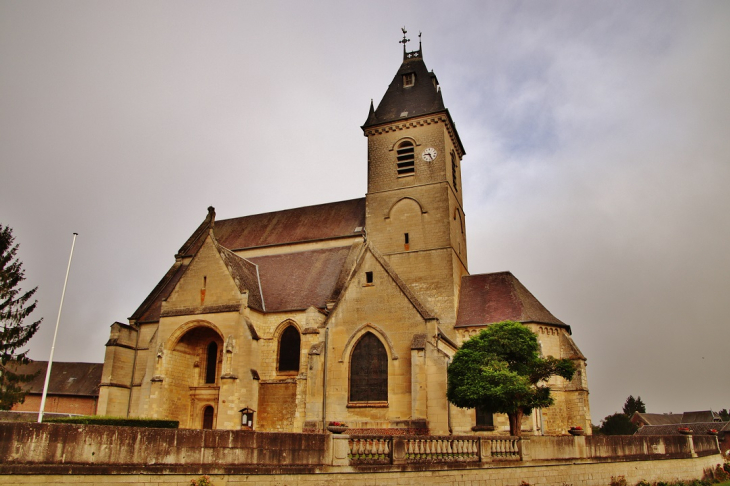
(15, 307)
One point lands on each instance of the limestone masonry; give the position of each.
(349, 311)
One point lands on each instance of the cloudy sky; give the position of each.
(597, 168)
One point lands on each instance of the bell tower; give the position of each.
(414, 212)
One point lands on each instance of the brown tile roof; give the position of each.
(300, 280)
(77, 379)
(700, 416)
(494, 297)
(310, 223)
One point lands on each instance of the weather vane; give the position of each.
(404, 37)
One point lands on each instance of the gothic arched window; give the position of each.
(369, 371)
(289, 347)
(211, 363)
(405, 154)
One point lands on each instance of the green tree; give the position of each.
(15, 307)
(617, 424)
(501, 371)
(724, 415)
(632, 405)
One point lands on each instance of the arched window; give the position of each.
(406, 158)
(208, 413)
(211, 363)
(369, 371)
(289, 346)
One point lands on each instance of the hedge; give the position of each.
(115, 421)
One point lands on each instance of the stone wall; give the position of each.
(60, 454)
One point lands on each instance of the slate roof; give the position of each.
(698, 428)
(400, 102)
(494, 297)
(700, 416)
(293, 281)
(310, 223)
(74, 379)
(660, 418)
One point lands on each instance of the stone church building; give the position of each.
(349, 311)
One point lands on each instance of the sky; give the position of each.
(597, 168)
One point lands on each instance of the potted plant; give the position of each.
(337, 427)
(712, 431)
(578, 430)
(684, 430)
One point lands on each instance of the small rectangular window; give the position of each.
(406, 238)
(409, 80)
(369, 277)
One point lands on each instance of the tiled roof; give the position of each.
(300, 280)
(698, 428)
(77, 379)
(494, 297)
(310, 223)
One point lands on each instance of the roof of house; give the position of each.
(494, 297)
(310, 223)
(76, 379)
(658, 418)
(699, 428)
(700, 416)
(286, 281)
(300, 280)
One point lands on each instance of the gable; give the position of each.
(214, 277)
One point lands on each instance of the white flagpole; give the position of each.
(55, 333)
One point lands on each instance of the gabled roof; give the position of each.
(74, 379)
(494, 297)
(246, 276)
(310, 223)
(149, 310)
(295, 281)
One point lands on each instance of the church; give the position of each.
(345, 312)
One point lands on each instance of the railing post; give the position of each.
(340, 447)
(485, 450)
(399, 450)
(523, 446)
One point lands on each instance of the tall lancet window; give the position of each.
(211, 363)
(369, 371)
(289, 348)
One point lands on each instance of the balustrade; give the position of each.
(371, 450)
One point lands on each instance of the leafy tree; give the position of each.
(501, 371)
(633, 405)
(724, 415)
(617, 424)
(15, 307)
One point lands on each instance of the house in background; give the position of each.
(73, 387)
(704, 422)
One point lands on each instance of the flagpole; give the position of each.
(55, 333)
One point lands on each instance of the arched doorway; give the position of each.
(208, 416)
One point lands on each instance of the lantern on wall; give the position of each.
(247, 417)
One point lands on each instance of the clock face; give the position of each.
(429, 155)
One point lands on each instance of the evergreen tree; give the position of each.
(15, 307)
(633, 405)
(724, 415)
(501, 371)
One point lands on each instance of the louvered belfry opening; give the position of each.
(405, 154)
(369, 371)
(289, 348)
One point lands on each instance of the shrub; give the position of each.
(115, 421)
(201, 481)
(618, 481)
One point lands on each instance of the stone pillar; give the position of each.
(524, 447)
(399, 450)
(339, 449)
(485, 450)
